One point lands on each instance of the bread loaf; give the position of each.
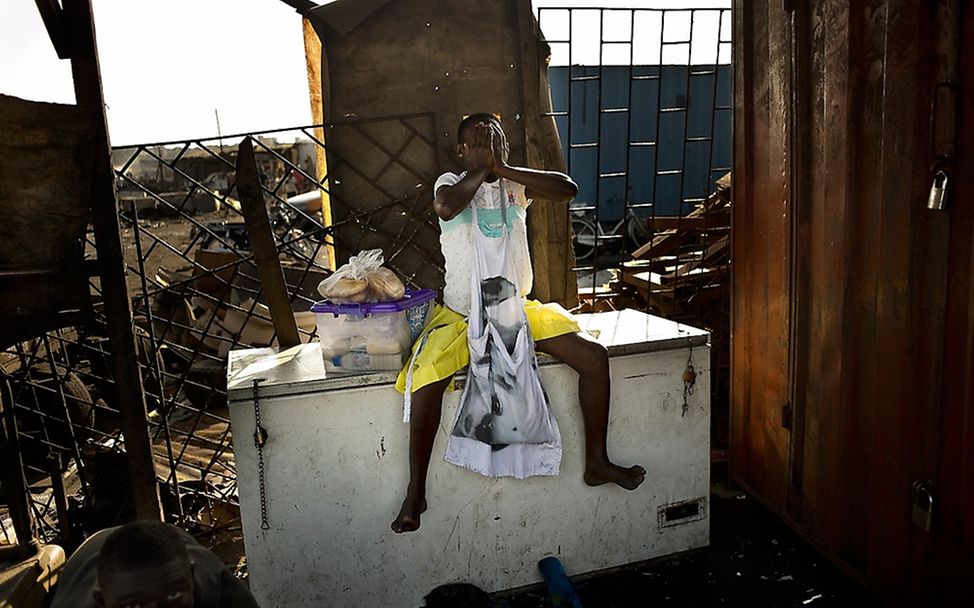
(365, 295)
(345, 288)
(385, 285)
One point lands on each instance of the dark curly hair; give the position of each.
(457, 595)
(473, 119)
(140, 544)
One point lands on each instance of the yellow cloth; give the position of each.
(446, 352)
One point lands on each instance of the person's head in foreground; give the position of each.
(457, 595)
(144, 564)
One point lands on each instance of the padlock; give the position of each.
(689, 375)
(260, 437)
(922, 515)
(937, 199)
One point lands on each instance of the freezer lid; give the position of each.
(301, 370)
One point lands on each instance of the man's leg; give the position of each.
(591, 361)
(424, 419)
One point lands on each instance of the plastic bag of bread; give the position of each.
(362, 279)
(350, 283)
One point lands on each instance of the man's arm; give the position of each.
(551, 185)
(451, 200)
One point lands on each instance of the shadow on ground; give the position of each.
(754, 560)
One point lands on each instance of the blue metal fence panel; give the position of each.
(624, 155)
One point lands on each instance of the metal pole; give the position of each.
(219, 133)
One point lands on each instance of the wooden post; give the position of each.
(549, 227)
(262, 241)
(53, 17)
(118, 310)
(312, 55)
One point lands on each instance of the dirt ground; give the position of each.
(166, 243)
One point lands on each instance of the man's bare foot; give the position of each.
(628, 478)
(408, 518)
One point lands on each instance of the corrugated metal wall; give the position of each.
(852, 316)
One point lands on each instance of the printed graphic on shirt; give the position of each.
(491, 221)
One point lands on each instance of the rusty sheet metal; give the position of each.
(874, 309)
(45, 182)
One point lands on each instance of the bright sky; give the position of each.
(168, 66)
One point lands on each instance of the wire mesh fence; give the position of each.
(196, 295)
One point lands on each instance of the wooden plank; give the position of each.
(661, 264)
(760, 384)
(855, 445)
(899, 199)
(772, 381)
(652, 294)
(125, 360)
(714, 252)
(262, 242)
(313, 63)
(53, 17)
(708, 293)
(805, 97)
(695, 276)
(826, 213)
(663, 244)
(744, 15)
(711, 221)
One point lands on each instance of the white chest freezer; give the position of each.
(335, 470)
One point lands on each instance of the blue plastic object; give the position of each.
(559, 587)
(413, 297)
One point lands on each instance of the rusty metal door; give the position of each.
(852, 317)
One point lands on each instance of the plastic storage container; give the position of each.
(357, 338)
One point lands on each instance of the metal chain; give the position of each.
(260, 439)
(689, 380)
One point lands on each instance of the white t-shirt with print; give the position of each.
(456, 237)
